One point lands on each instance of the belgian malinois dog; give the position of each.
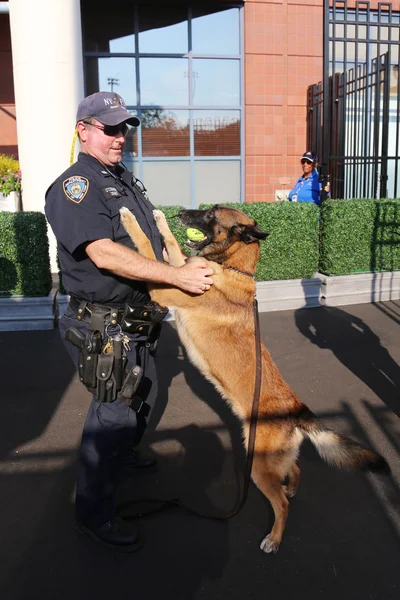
(218, 332)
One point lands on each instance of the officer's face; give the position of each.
(106, 148)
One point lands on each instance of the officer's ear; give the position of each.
(82, 129)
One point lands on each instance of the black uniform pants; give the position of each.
(110, 431)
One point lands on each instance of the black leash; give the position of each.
(165, 504)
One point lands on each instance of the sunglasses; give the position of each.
(110, 130)
(305, 162)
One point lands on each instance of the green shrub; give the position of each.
(24, 254)
(291, 250)
(359, 236)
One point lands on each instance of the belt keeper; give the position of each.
(81, 309)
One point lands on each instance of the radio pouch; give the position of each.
(106, 388)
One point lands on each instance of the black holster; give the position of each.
(89, 346)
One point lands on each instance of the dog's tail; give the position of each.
(336, 449)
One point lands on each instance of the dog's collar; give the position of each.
(239, 271)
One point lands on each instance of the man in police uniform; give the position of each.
(106, 280)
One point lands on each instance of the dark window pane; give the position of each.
(102, 31)
(164, 81)
(165, 133)
(216, 133)
(216, 82)
(112, 74)
(163, 30)
(216, 33)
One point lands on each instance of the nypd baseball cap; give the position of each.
(310, 156)
(107, 107)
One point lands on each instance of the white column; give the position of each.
(48, 83)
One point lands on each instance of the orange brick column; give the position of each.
(8, 127)
(283, 56)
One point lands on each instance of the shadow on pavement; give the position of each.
(342, 536)
(357, 347)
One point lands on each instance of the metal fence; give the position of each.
(358, 102)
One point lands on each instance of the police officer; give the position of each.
(308, 187)
(105, 278)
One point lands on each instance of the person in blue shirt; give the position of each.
(308, 187)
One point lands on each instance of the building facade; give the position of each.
(220, 87)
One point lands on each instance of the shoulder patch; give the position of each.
(75, 188)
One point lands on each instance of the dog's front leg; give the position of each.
(136, 234)
(175, 256)
(166, 296)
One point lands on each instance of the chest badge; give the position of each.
(75, 188)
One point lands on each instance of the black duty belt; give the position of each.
(84, 310)
(134, 318)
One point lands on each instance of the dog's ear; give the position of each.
(251, 233)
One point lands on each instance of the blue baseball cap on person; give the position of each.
(310, 156)
(108, 108)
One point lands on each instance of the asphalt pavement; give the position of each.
(342, 540)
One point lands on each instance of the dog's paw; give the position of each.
(269, 545)
(126, 216)
(160, 220)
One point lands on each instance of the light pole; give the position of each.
(112, 81)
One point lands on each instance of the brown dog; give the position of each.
(218, 332)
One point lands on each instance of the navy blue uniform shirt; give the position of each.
(82, 206)
(306, 190)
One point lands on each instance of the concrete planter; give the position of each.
(26, 314)
(10, 203)
(359, 288)
(288, 294)
(61, 305)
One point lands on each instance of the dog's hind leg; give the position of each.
(269, 483)
(293, 481)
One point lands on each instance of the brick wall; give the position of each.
(283, 55)
(8, 129)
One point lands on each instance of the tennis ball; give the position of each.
(194, 235)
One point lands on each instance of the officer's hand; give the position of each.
(194, 277)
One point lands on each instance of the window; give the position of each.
(179, 69)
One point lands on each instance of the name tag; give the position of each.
(110, 192)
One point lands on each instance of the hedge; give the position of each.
(359, 236)
(355, 236)
(291, 249)
(24, 254)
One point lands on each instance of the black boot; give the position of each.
(137, 465)
(116, 534)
